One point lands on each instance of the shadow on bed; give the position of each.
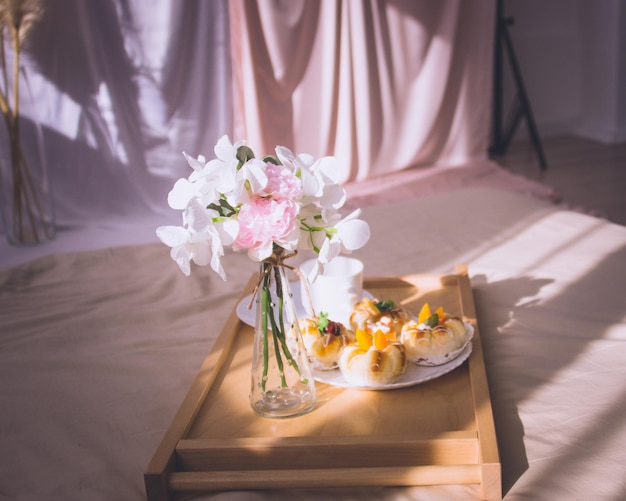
(548, 341)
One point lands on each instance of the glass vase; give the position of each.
(26, 203)
(282, 384)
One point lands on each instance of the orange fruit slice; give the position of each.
(425, 314)
(440, 314)
(380, 340)
(363, 339)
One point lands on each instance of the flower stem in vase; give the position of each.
(282, 385)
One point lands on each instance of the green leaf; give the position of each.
(244, 153)
(215, 207)
(223, 208)
(322, 322)
(433, 321)
(385, 305)
(271, 159)
(227, 208)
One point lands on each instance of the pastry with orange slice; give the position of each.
(373, 360)
(323, 339)
(435, 338)
(371, 315)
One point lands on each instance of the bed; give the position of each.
(99, 346)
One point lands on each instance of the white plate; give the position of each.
(248, 315)
(414, 374)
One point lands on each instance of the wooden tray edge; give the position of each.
(491, 481)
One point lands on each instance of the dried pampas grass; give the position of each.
(17, 18)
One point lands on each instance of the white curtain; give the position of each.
(124, 86)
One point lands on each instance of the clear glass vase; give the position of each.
(282, 384)
(26, 202)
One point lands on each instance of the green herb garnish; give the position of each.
(385, 306)
(322, 322)
(432, 321)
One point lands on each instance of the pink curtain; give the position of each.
(383, 85)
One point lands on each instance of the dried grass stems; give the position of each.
(17, 17)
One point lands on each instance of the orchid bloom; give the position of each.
(186, 246)
(250, 180)
(350, 234)
(316, 176)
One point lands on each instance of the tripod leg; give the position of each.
(496, 147)
(515, 117)
(524, 101)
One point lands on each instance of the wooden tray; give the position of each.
(437, 432)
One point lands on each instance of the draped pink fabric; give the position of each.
(382, 85)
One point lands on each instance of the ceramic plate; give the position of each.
(414, 374)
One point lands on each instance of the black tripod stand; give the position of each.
(502, 134)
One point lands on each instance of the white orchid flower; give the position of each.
(286, 157)
(227, 229)
(301, 165)
(250, 179)
(350, 234)
(181, 193)
(186, 246)
(331, 194)
(314, 227)
(197, 217)
(317, 177)
(222, 230)
(197, 164)
(209, 182)
(217, 252)
(177, 238)
(218, 173)
(226, 151)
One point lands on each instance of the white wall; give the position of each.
(572, 56)
(604, 75)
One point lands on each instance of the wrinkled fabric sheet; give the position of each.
(98, 348)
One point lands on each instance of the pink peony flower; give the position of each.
(282, 182)
(265, 220)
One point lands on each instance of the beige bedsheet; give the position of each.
(98, 348)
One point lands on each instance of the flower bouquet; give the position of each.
(272, 207)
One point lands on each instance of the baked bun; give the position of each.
(372, 315)
(323, 340)
(434, 338)
(372, 360)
